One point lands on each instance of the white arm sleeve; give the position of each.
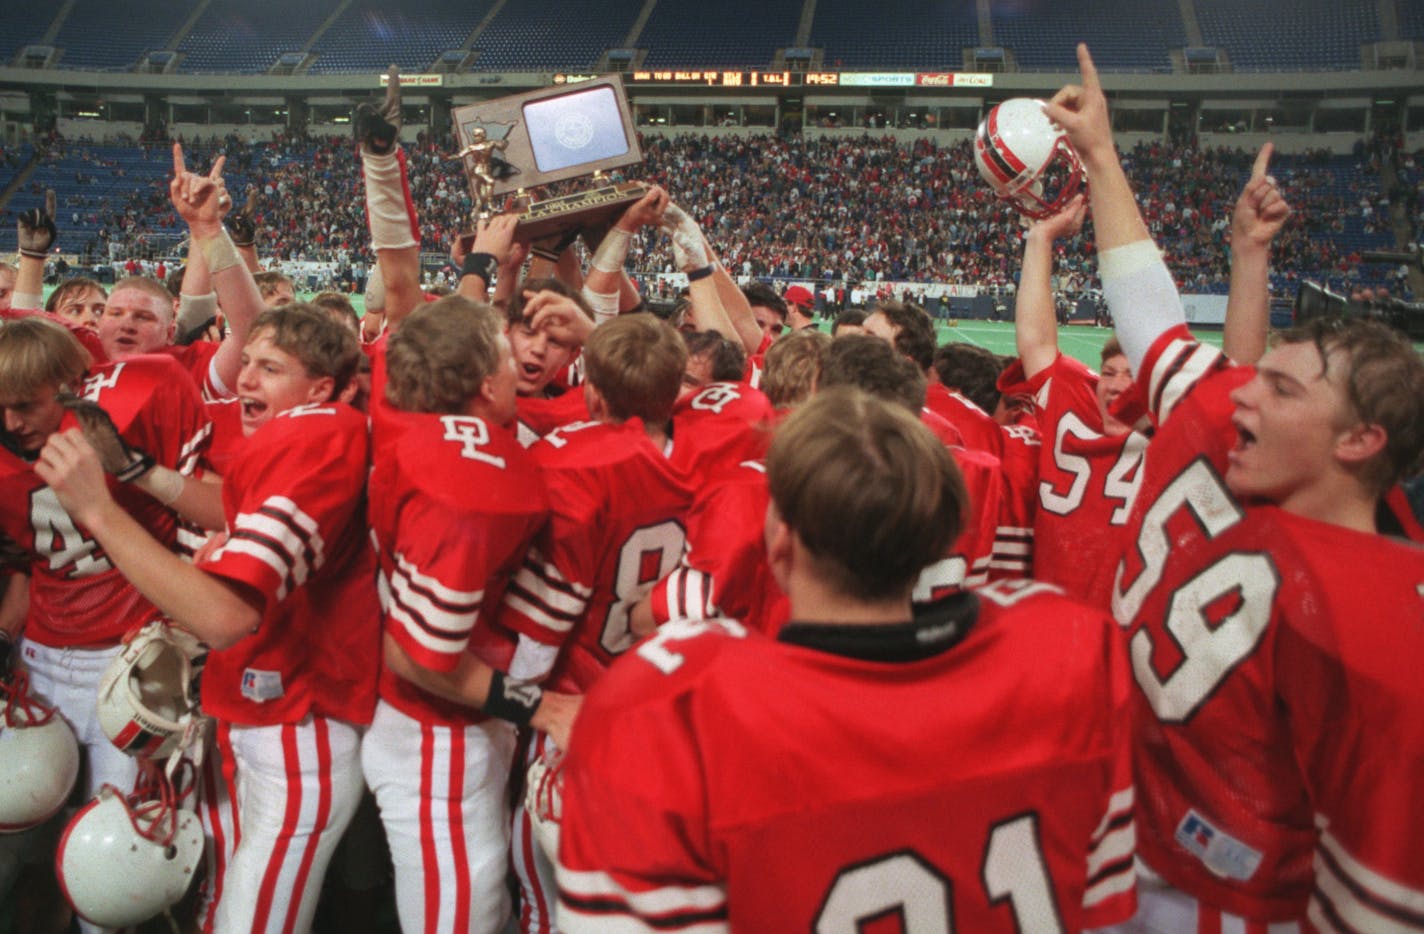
(532, 660)
(193, 310)
(1141, 296)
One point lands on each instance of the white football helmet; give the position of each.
(544, 799)
(39, 758)
(1027, 159)
(148, 697)
(125, 858)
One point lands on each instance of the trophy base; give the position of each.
(591, 208)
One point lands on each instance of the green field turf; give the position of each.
(1081, 342)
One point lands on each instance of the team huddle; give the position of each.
(714, 623)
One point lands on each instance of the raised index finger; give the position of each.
(1086, 67)
(218, 163)
(49, 203)
(178, 167)
(1263, 161)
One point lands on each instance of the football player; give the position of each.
(287, 603)
(1276, 727)
(1089, 467)
(616, 527)
(79, 606)
(453, 506)
(685, 806)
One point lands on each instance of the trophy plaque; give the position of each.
(515, 145)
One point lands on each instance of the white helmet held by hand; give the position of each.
(148, 697)
(1027, 158)
(39, 758)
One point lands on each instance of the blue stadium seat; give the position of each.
(929, 34)
(369, 35)
(1135, 37)
(1317, 35)
(246, 36)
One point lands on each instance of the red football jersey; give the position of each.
(539, 415)
(1350, 684)
(719, 426)
(1017, 448)
(983, 551)
(948, 435)
(721, 780)
(1204, 588)
(197, 359)
(452, 508)
(295, 506)
(1087, 481)
(77, 596)
(226, 415)
(725, 572)
(617, 514)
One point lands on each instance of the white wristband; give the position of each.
(163, 484)
(605, 306)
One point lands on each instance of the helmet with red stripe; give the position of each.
(124, 858)
(1027, 159)
(148, 696)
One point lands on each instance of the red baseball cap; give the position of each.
(800, 296)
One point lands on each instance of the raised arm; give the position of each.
(494, 249)
(202, 201)
(37, 234)
(1259, 215)
(603, 285)
(1035, 325)
(1137, 286)
(734, 301)
(690, 252)
(395, 230)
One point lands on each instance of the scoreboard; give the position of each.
(716, 78)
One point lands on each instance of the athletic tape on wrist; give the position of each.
(218, 252)
(163, 484)
(388, 206)
(612, 252)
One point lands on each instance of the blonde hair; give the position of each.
(36, 352)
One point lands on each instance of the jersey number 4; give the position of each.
(903, 884)
(68, 551)
(1120, 484)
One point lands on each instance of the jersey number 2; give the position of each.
(903, 884)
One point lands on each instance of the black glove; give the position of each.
(119, 458)
(37, 230)
(378, 125)
(242, 225)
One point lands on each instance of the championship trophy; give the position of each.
(516, 145)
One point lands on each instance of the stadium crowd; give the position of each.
(713, 620)
(827, 209)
